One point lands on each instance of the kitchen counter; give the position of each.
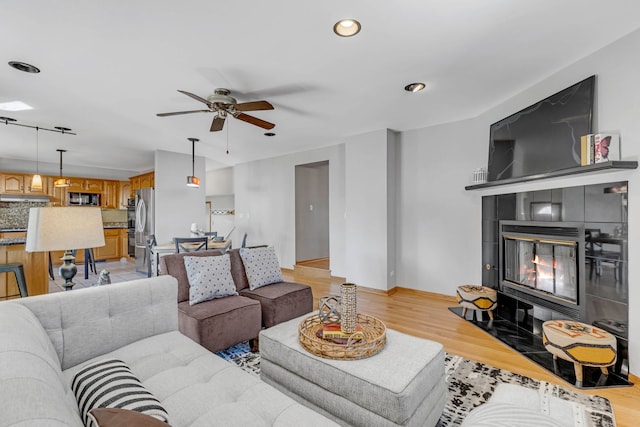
(8, 241)
(115, 225)
(12, 230)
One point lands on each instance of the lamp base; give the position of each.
(68, 269)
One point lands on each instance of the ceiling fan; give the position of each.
(223, 104)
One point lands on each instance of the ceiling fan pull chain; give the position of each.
(228, 138)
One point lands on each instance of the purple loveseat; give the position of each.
(222, 322)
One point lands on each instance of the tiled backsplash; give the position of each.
(16, 214)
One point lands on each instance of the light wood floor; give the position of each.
(427, 316)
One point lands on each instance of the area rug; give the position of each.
(470, 384)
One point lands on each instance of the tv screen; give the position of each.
(543, 137)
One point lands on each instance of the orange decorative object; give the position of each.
(477, 298)
(580, 344)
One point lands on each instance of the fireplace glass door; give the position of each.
(547, 266)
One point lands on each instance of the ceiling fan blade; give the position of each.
(217, 124)
(254, 121)
(196, 97)
(175, 113)
(254, 106)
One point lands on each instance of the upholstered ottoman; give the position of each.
(402, 385)
(479, 298)
(580, 344)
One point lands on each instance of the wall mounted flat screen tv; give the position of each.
(543, 137)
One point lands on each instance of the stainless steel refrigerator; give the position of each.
(145, 226)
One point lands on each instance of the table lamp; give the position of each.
(64, 228)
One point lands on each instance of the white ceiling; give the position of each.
(109, 66)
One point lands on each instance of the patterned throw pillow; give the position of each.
(261, 265)
(209, 277)
(109, 383)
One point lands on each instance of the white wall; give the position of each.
(176, 205)
(219, 182)
(367, 168)
(438, 222)
(265, 203)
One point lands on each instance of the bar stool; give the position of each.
(18, 270)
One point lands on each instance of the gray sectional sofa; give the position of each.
(45, 340)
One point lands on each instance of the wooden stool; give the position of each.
(580, 344)
(18, 270)
(479, 298)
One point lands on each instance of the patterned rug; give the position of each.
(470, 384)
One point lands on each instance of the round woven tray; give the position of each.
(375, 337)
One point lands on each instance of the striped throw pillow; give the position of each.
(109, 383)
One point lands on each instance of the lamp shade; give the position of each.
(63, 228)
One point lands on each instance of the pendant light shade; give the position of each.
(192, 180)
(61, 182)
(36, 181)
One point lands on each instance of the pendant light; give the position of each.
(61, 182)
(36, 181)
(192, 180)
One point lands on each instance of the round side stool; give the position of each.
(480, 298)
(580, 344)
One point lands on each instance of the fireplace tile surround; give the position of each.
(601, 210)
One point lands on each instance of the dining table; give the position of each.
(170, 248)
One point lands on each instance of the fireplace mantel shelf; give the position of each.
(598, 167)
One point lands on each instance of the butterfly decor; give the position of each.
(604, 147)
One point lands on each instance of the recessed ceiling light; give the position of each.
(414, 87)
(346, 27)
(269, 134)
(15, 106)
(23, 66)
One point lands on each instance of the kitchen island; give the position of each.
(12, 250)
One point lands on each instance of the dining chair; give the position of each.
(195, 244)
(211, 234)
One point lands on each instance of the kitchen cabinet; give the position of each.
(145, 180)
(58, 195)
(85, 185)
(114, 239)
(35, 266)
(124, 242)
(124, 193)
(111, 248)
(110, 195)
(21, 184)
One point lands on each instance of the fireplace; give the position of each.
(542, 263)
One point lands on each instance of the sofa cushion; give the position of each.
(261, 265)
(109, 383)
(220, 323)
(281, 301)
(209, 278)
(89, 322)
(173, 265)
(30, 373)
(115, 417)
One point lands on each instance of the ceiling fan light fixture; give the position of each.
(192, 180)
(347, 27)
(414, 87)
(23, 66)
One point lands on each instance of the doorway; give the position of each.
(312, 215)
